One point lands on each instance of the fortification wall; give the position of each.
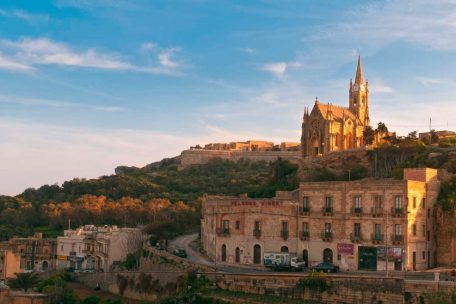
(199, 157)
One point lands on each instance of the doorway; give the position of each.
(223, 253)
(327, 255)
(237, 255)
(367, 258)
(305, 257)
(257, 254)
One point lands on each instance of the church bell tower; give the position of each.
(359, 96)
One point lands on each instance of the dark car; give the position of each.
(180, 253)
(326, 267)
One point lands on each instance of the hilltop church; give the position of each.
(331, 128)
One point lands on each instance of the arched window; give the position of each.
(257, 254)
(45, 265)
(284, 249)
(223, 253)
(237, 255)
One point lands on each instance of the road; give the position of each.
(196, 257)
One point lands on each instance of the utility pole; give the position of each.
(430, 128)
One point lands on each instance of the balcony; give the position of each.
(357, 211)
(305, 235)
(257, 233)
(397, 212)
(223, 231)
(397, 239)
(284, 234)
(377, 212)
(327, 211)
(377, 238)
(304, 210)
(356, 238)
(326, 236)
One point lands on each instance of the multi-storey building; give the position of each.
(97, 248)
(370, 224)
(34, 253)
(9, 262)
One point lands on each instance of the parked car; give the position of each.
(180, 253)
(326, 267)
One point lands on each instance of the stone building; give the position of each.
(330, 127)
(354, 224)
(97, 248)
(34, 253)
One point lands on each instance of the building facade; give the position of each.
(33, 253)
(330, 127)
(359, 225)
(96, 248)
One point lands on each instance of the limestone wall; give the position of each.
(342, 289)
(199, 157)
(13, 297)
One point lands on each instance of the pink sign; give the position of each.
(345, 248)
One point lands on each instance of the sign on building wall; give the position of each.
(394, 253)
(343, 248)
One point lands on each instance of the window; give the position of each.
(226, 224)
(238, 225)
(61, 247)
(305, 203)
(285, 226)
(414, 202)
(305, 227)
(429, 213)
(328, 227)
(357, 202)
(424, 230)
(328, 202)
(357, 230)
(378, 202)
(428, 236)
(378, 229)
(423, 203)
(398, 202)
(414, 229)
(257, 226)
(397, 229)
(424, 255)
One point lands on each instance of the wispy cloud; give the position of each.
(247, 50)
(279, 69)
(28, 53)
(25, 16)
(57, 103)
(165, 57)
(427, 81)
(380, 88)
(88, 5)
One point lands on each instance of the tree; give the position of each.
(133, 245)
(413, 135)
(369, 135)
(434, 137)
(381, 127)
(24, 281)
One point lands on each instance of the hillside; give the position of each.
(157, 194)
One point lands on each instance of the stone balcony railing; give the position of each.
(397, 212)
(397, 239)
(285, 234)
(356, 238)
(305, 235)
(304, 210)
(223, 231)
(327, 236)
(358, 211)
(377, 238)
(327, 211)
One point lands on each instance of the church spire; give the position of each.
(359, 72)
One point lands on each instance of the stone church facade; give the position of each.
(331, 128)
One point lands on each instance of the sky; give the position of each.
(88, 85)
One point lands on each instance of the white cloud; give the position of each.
(279, 69)
(427, 81)
(28, 53)
(380, 88)
(57, 103)
(25, 16)
(12, 65)
(248, 50)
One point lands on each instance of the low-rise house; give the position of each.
(96, 248)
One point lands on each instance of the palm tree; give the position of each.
(24, 281)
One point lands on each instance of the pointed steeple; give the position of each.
(359, 72)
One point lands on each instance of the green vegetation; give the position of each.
(24, 281)
(438, 297)
(447, 196)
(161, 195)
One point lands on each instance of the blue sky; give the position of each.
(87, 85)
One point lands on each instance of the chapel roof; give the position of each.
(338, 112)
